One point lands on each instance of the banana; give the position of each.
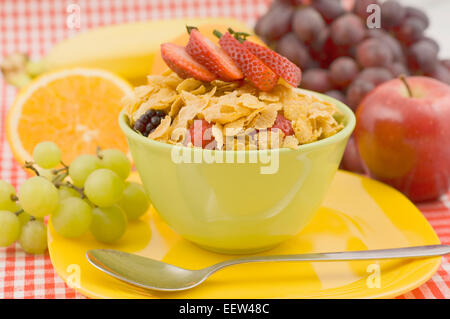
(131, 50)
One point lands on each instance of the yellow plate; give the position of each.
(358, 213)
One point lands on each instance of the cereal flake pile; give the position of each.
(240, 116)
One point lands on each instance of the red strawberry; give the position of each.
(183, 64)
(201, 133)
(254, 69)
(283, 124)
(279, 64)
(213, 57)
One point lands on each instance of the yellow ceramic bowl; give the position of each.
(243, 206)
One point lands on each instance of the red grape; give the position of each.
(343, 71)
(360, 7)
(307, 24)
(398, 69)
(392, 14)
(357, 91)
(316, 80)
(324, 50)
(441, 73)
(417, 13)
(373, 52)
(329, 9)
(395, 47)
(410, 30)
(432, 42)
(338, 95)
(295, 51)
(422, 56)
(351, 161)
(375, 75)
(446, 63)
(318, 45)
(276, 22)
(375, 33)
(347, 30)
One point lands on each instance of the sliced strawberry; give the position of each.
(201, 133)
(283, 124)
(183, 64)
(279, 64)
(254, 69)
(213, 57)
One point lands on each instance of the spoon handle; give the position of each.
(407, 252)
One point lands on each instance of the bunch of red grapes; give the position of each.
(340, 56)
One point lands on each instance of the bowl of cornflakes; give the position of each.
(232, 168)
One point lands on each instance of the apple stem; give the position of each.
(405, 82)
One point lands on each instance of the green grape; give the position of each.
(103, 187)
(66, 192)
(72, 218)
(47, 154)
(134, 201)
(6, 192)
(33, 237)
(109, 224)
(82, 167)
(116, 161)
(9, 228)
(24, 218)
(38, 197)
(46, 173)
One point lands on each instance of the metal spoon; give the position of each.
(157, 275)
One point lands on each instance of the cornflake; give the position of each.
(241, 116)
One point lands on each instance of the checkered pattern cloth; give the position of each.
(33, 26)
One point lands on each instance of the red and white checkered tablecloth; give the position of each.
(33, 26)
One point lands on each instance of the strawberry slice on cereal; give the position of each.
(283, 124)
(213, 57)
(200, 133)
(183, 64)
(279, 64)
(259, 74)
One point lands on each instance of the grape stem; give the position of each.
(57, 171)
(99, 152)
(20, 211)
(70, 185)
(65, 165)
(14, 198)
(30, 165)
(405, 82)
(59, 178)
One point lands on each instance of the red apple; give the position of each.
(403, 136)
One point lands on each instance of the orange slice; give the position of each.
(76, 108)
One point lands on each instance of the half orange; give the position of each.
(75, 108)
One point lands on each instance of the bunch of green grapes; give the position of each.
(90, 194)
